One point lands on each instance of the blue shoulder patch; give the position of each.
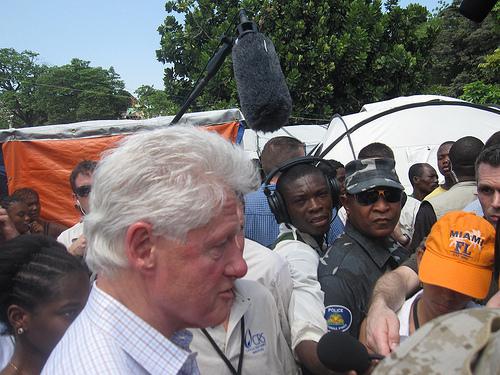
(338, 318)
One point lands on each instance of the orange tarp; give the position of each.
(45, 165)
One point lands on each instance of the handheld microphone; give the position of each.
(339, 351)
(264, 97)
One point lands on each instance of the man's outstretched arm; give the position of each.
(382, 324)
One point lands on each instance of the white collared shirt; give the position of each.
(265, 348)
(108, 338)
(271, 270)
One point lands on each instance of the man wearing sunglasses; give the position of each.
(80, 180)
(366, 250)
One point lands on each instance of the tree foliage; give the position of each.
(336, 55)
(460, 48)
(79, 92)
(18, 74)
(33, 94)
(486, 90)
(153, 103)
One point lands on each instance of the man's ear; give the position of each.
(19, 319)
(139, 245)
(420, 251)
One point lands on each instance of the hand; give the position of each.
(400, 237)
(7, 228)
(77, 248)
(36, 227)
(382, 329)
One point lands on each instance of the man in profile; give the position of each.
(463, 155)
(80, 180)
(444, 166)
(423, 179)
(164, 238)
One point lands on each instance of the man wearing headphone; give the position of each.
(80, 180)
(302, 203)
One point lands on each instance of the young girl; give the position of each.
(18, 213)
(42, 290)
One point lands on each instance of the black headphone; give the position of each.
(276, 201)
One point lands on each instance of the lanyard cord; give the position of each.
(222, 355)
(415, 316)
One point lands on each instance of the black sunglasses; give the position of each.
(83, 191)
(369, 197)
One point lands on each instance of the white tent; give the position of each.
(413, 127)
(311, 135)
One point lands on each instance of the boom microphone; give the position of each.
(476, 10)
(339, 351)
(264, 97)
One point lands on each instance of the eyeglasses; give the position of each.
(369, 197)
(83, 191)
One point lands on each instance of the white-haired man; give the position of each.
(162, 236)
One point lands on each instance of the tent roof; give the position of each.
(101, 128)
(311, 135)
(413, 127)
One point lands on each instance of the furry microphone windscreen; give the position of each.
(265, 100)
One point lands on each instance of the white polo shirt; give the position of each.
(265, 348)
(271, 270)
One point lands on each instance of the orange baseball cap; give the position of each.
(459, 254)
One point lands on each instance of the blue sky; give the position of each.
(118, 33)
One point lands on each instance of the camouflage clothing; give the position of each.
(464, 342)
(365, 174)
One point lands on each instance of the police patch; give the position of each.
(338, 318)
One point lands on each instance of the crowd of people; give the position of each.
(187, 259)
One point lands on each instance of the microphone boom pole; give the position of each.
(213, 67)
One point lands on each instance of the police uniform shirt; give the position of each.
(348, 272)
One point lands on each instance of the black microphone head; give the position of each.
(339, 351)
(265, 100)
(476, 10)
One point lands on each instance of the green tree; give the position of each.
(486, 90)
(79, 92)
(153, 103)
(336, 55)
(35, 94)
(19, 72)
(460, 47)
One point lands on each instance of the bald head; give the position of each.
(278, 150)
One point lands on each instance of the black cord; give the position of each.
(223, 356)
